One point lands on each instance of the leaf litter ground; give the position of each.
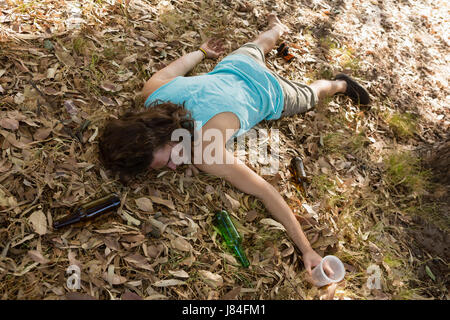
(68, 66)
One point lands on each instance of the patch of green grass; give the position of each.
(95, 60)
(114, 50)
(91, 87)
(402, 124)
(323, 104)
(78, 45)
(347, 60)
(339, 120)
(328, 43)
(378, 228)
(243, 279)
(403, 169)
(325, 187)
(23, 7)
(324, 73)
(391, 261)
(321, 183)
(336, 200)
(109, 52)
(96, 76)
(332, 142)
(357, 142)
(408, 294)
(339, 142)
(193, 277)
(285, 291)
(341, 55)
(432, 213)
(174, 260)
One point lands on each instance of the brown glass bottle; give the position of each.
(90, 210)
(283, 51)
(298, 171)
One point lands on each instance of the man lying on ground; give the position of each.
(238, 94)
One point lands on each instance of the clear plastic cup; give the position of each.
(321, 278)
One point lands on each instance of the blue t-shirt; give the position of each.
(237, 84)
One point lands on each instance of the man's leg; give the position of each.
(321, 88)
(268, 39)
(342, 83)
(327, 88)
(258, 48)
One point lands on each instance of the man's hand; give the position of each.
(310, 260)
(213, 48)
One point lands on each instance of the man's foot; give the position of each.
(275, 23)
(354, 91)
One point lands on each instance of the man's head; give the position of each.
(140, 141)
(162, 157)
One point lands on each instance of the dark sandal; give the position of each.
(354, 90)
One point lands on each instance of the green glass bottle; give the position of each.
(90, 210)
(231, 236)
(298, 171)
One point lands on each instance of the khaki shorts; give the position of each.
(298, 97)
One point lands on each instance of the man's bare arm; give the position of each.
(211, 49)
(179, 67)
(246, 180)
(243, 178)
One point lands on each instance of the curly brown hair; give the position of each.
(127, 144)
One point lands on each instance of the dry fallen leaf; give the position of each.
(179, 274)
(168, 283)
(11, 124)
(107, 101)
(231, 203)
(71, 256)
(65, 58)
(78, 296)
(128, 295)
(124, 76)
(144, 204)
(272, 223)
(10, 137)
(330, 291)
(42, 134)
(38, 222)
(139, 261)
(167, 203)
(129, 59)
(287, 252)
(212, 279)
(110, 87)
(38, 257)
(251, 215)
(154, 251)
(232, 294)
(181, 244)
(113, 278)
(71, 107)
